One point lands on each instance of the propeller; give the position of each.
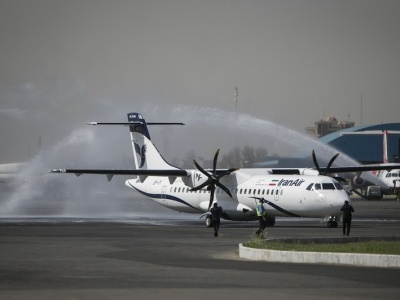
(213, 179)
(327, 167)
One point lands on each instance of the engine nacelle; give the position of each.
(357, 182)
(194, 179)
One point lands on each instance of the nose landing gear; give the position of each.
(332, 222)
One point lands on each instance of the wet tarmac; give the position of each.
(155, 257)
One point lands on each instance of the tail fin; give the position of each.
(385, 147)
(145, 153)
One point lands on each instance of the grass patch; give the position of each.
(371, 247)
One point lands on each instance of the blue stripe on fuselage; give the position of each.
(169, 197)
(278, 208)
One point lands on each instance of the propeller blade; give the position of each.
(215, 162)
(202, 170)
(315, 161)
(330, 163)
(226, 190)
(212, 189)
(213, 179)
(199, 187)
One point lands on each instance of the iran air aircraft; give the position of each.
(288, 192)
(390, 177)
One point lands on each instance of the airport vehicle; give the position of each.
(288, 192)
(374, 192)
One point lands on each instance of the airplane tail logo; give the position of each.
(146, 155)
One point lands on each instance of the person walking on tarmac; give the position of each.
(216, 212)
(347, 209)
(260, 209)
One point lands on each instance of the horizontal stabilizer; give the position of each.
(132, 123)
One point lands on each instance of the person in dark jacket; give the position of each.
(216, 212)
(347, 210)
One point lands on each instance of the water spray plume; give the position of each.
(37, 193)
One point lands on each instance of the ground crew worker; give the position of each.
(260, 209)
(347, 209)
(216, 213)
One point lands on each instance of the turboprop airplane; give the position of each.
(288, 192)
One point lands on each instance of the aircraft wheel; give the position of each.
(209, 222)
(329, 224)
(270, 221)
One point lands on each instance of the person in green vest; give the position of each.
(260, 209)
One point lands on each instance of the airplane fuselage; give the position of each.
(285, 195)
(390, 178)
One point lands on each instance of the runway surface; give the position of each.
(175, 256)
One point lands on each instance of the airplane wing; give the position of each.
(151, 172)
(78, 172)
(173, 173)
(363, 168)
(143, 173)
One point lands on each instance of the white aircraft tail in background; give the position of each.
(390, 177)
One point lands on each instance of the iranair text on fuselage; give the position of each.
(291, 182)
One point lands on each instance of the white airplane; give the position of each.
(390, 176)
(288, 192)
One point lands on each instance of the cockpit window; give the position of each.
(317, 186)
(338, 186)
(328, 186)
(310, 187)
(395, 175)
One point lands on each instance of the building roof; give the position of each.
(365, 148)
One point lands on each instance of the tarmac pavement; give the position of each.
(61, 258)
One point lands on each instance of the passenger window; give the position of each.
(276, 192)
(267, 192)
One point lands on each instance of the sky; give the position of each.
(63, 63)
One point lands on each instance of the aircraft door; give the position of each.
(276, 192)
(164, 195)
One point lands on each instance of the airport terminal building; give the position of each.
(366, 148)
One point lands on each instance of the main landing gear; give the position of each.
(270, 221)
(208, 221)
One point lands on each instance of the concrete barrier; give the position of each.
(354, 259)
